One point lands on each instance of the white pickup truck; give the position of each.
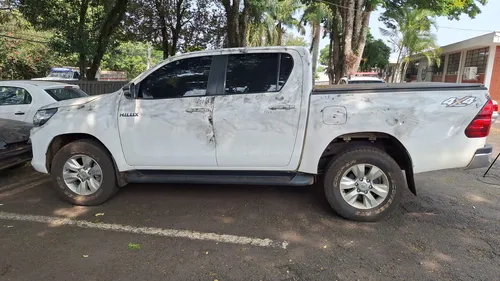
(251, 116)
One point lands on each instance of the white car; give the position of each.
(19, 100)
(352, 80)
(251, 116)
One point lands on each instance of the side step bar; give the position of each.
(220, 177)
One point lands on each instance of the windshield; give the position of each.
(366, 82)
(66, 93)
(61, 74)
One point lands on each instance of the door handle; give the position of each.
(281, 107)
(19, 113)
(197, 109)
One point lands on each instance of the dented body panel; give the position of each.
(432, 132)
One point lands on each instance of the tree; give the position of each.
(291, 40)
(130, 57)
(237, 20)
(84, 27)
(376, 54)
(269, 27)
(176, 25)
(24, 52)
(411, 35)
(315, 14)
(349, 25)
(282, 15)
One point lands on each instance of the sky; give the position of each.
(448, 32)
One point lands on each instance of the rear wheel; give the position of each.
(84, 173)
(363, 184)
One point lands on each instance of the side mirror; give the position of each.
(130, 91)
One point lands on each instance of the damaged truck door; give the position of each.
(256, 114)
(169, 124)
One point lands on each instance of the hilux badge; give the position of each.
(129, 114)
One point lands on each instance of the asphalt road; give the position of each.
(450, 231)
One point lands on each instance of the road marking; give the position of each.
(22, 189)
(165, 232)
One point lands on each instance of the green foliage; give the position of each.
(291, 40)
(270, 27)
(24, 53)
(453, 9)
(323, 55)
(130, 57)
(376, 54)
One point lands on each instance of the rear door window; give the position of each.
(257, 73)
(60, 94)
(14, 96)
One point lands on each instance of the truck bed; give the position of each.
(395, 87)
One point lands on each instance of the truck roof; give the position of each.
(397, 87)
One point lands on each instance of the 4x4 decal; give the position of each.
(459, 102)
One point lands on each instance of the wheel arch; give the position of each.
(60, 141)
(390, 144)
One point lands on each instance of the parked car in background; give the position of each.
(15, 146)
(19, 100)
(361, 78)
(73, 73)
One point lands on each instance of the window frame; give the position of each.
(457, 62)
(221, 89)
(26, 92)
(473, 59)
(210, 80)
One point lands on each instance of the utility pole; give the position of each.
(149, 55)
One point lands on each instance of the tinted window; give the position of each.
(286, 67)
(66, 93)
(257, 73)
(182, 78)
(14, 95)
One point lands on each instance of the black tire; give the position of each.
(95, 150)
(367, 155)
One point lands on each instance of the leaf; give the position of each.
(99, 214)
(132, 246)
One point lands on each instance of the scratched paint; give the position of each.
(432, 133)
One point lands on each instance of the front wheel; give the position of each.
(363, 184)
(84, 173)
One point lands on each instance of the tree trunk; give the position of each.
(82, 53)
(233, 22)
(358, 15)
(163, 27)
(316, 31)
(279, 31)
(397, 71)
(361, 43)
(244, 18)
(113, 19)
(176, 30)
(330, 69)
(349, 57)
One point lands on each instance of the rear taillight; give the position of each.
(480, 126)
(495, 105)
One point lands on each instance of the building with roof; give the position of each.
(476, 60)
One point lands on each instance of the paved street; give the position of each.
(451, 231)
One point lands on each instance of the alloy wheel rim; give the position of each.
(364, 186)
(82, 174)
